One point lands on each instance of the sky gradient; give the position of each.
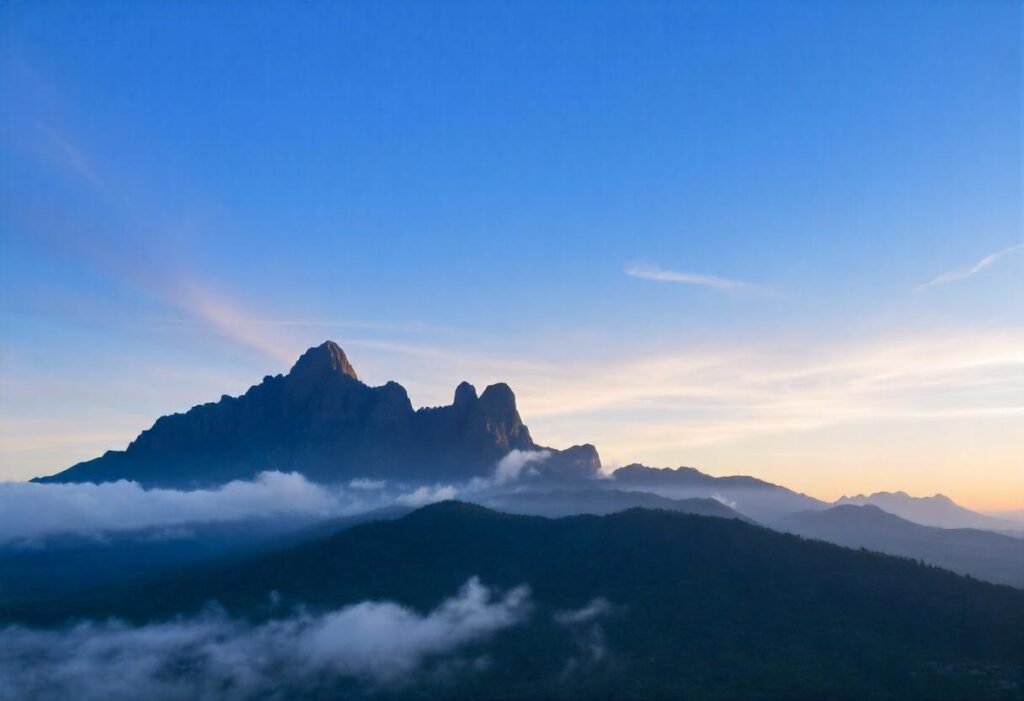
(778, 239)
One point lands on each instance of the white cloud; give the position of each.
(367, 484)
(597, 608)
(386, 641)
(511, 467)
(731, 503)
(963, 273)
(428, 495)
(231, 320)
(657, 274)
(212, 656)
(587, 630)
(29, 510)
(701, 397)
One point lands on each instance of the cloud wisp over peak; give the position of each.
(646, 271)
(964, 273)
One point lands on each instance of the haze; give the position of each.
(779, 240)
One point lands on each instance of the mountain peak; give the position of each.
(325, 359)
(465, 394)
(499, 395)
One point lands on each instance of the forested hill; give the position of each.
(698, 607)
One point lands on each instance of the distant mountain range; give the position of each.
(322, 421)
(639, 604)
(938, 510)
(760, 500)
(993, 557)
(554, 503)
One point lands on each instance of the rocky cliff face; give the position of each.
(322, 421)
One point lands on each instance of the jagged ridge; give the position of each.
(322, 421)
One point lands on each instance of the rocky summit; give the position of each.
(322, 421)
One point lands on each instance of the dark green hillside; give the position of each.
(703, 608)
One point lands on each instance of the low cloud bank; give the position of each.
(213, 656)
(30, 510)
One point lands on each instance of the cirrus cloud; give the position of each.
(655, 273)
(964, 273)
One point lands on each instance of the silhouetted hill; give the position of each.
(760, 500)
(693, 607)
(979, 553)
(571, 502)
(321, 421)
(939, 510)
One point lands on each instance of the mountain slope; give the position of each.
(321, 421)
(554, 503)
(939, 510)
(760, 500)
(692, 607)
(982, 554)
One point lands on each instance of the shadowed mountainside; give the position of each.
(321, 421)
(693, 607)
(990, 556)
(938, 510)
(762, 501)
(554, 503)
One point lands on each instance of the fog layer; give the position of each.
(213, 656)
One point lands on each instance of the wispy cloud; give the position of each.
(69, 155)
(233, 321)
(646, 271)
(724, 407)
(719, 395)
(132, 260)
(31, 510)
(213, 656)
(964, 273)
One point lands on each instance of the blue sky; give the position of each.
(191, 193)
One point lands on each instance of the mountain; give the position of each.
(939, 510)
(322, 421)
(760, 500)
(983, 554)
(638, 604)
(571, 502)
